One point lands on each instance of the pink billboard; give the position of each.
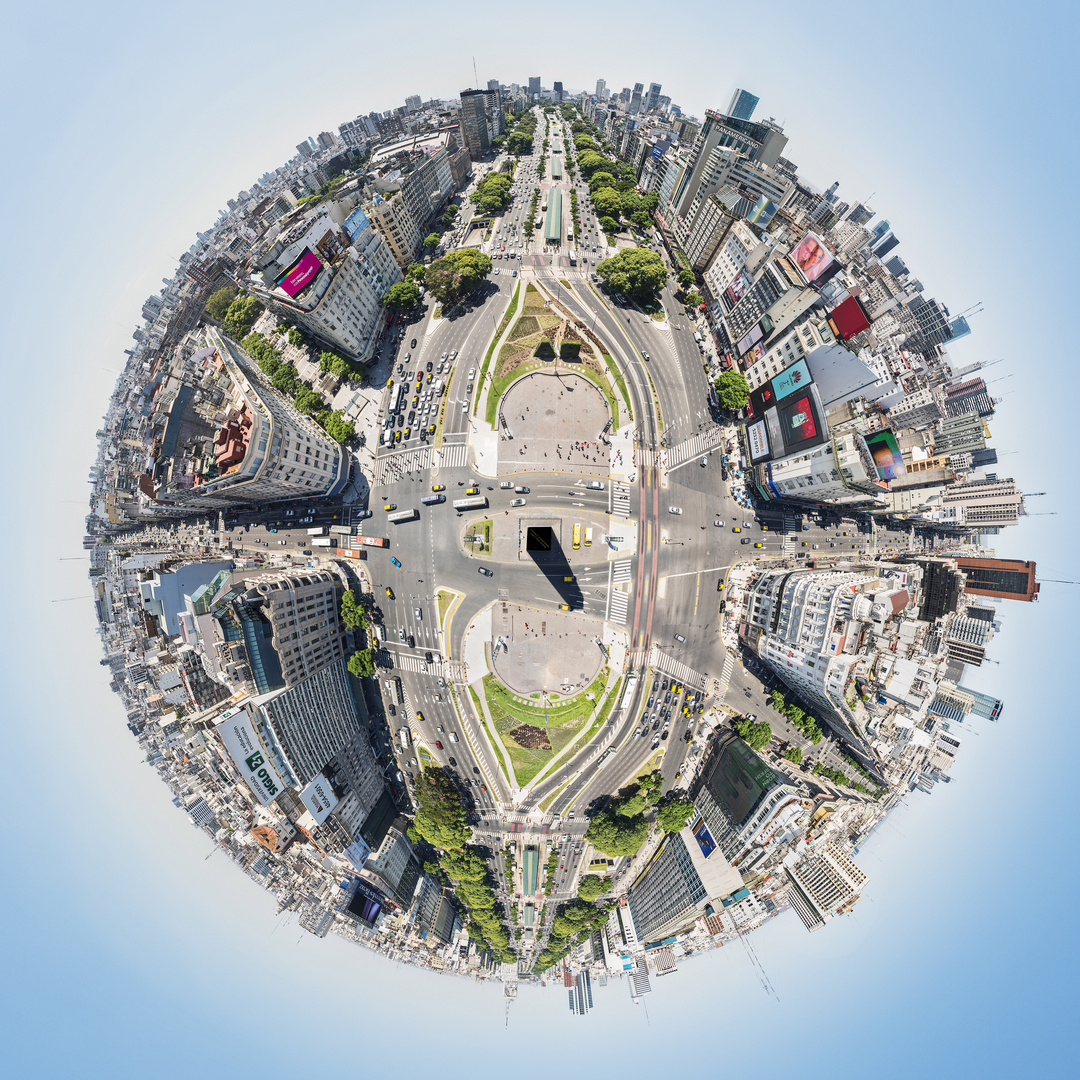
(296, 278)
(811, 257)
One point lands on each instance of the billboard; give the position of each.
(366, 903)
(811, 257)
(848, 319)
(656, 152)
(797, 421)
(704, 837)
(763, 212)
(751, 339)
(319, 798)
(357, 852)
(300, 274)
(886, 454)
(238, 735)
(737, 289)
(757, 440)
(791, 379)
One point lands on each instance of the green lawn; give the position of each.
(620, 382)
(445, 600)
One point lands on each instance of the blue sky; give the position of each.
(126, 952)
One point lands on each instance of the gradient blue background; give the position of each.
(125, 953)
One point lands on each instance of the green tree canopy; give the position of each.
(431, 241)
(733, 392)
(402, 294)
(465, 865)
(361, 664)
(296, 337)
(651, 786)
(492, 194)
(307, 400)
(240, 317)
(337, 427)
(600, 180)
(673, 813)
(631, 806)
(218, 305)
(456, 274)
(440, 817)
(589, 161)
(638, 273)
(416, 272)
(608, 203)
(352, 614)
(614, 834)
(592, 886)
(685, 277)
(756, 736)
(793, 754)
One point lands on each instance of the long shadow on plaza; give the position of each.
(543, 546)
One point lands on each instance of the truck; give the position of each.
(317, 531)
(340, 530)
(323, 542)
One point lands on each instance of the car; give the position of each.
(389, 592)
(444, 356)
(674, 509)
(307, 551)
(506, 484)
(476, 770)
(746, 540)
(680, 639)
(703, 462)
(719, 523)
(485, 571)
(521, 489)
(646, 356)
(517, 502)
(747, 524)
(483, 787)
(438, 745)
(411, 642)
(438, 487)
(439, 728)
(394, 560)
(496, 270)
(419, 614)
(595, 485)
(736, 529)
(472, 489)
(452, 762)
(759, 544)
(401, 634)
(390, 506)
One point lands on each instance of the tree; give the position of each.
(440, 817)
(402, 295)
(352, 614)
(307, 400)
(337, 427)
(609, 225)
(601, 180)
(431, 241)
(296, 338)
(416, 272)
(651, 786)
(285, 380)
(240, 317)
(733, 392)
(592, 886)
(631, 806)
(456, 274)
(636, 272)
(777, 699)
(615, 834)
(684, 277)
(465, 865)
(756, 736)
(218, 304)
(361, 664)
(608, 203)
(589, 161)
(673, 813)
(640, 219)
(694, 299)
(793, 754)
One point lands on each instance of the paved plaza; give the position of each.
(554, 420)
(536, 650)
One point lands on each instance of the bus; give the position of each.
(371, 541)
(431, 500)
(316, 532)
(577, 536)
(340, 530)
(478, 502)
(397, 396)
(322, 541)
(402, 516)
(588, 537)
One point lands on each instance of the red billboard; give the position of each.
(297, 277)
(848, 319)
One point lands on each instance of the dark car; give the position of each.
(412, 641)
(485, 571)
(430, 366)
(452, 762)
(412, 344)
(428, 657)
(476, 770)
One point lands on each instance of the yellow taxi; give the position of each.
(438, 487)
(472, 490)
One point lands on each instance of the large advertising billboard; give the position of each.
(763, 212)
(757, 440)
(319, 798)
(751, 339)
(811, 257)
(848, 319)
(797, 422)
(298, 276)
(357, 852)
(886, 454)
(737, 289)
(796, 377)
(238, 734)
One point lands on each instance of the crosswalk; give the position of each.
(679, 671)
(691, 448)
(392, 466)
(405, 662)
(620, 571)
(620, 499)
(725, 675)
(452, 455)
(618, 602)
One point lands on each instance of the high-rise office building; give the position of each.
(557, 90)
(824, 884)
(581, 994)
(601, 89)
(686, 873)
(1007, 579)
(742, 105)
(653, 97)
(534, 86)
(493, 84)
(481, 120)
(989, 708)
(969, 396)
(635, 98)
(989, 502)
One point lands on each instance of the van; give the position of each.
(380, 632)
(697, 337)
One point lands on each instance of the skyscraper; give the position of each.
(824, 884)
(989, 708)
(743, 104)
(1007, 579)
(601, 89)
(653, 96)
(581, 994)
(534, 86)
(635, 98)
(557, 90)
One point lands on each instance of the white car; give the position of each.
(720, 523)
(674, 509)
(517, 502)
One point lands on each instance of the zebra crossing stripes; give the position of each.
(391, 467)
(620, 572)
(677, 670)
(693, 447)
(404, 662)
(620, 499)
(617, 606)
(452, 456)
(725, 675)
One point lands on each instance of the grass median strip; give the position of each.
(494, 743)
(510, 312)
(620, 382)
